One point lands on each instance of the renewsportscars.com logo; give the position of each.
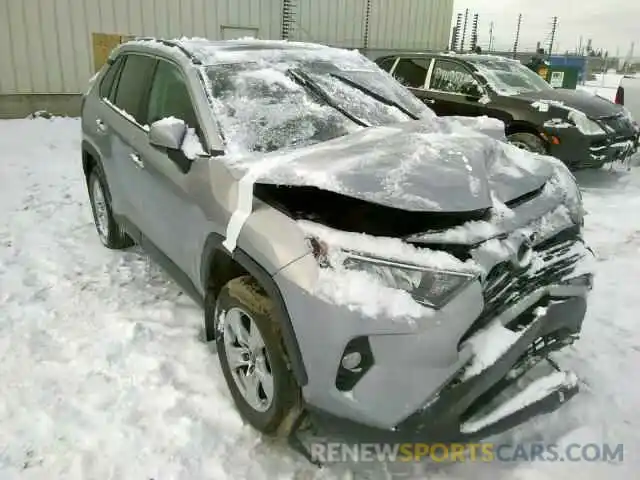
(466, 452)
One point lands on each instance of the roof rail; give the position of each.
(170, 43)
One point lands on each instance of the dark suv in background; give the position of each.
(580, 129)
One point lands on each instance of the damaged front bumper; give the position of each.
(520, 384)
(433, 380)
(580, 151)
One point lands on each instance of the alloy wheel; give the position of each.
(248, 359)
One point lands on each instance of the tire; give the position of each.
(110, 233)
(528, 141)
(243, 301)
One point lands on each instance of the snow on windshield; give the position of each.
(261, 107)
(510, 77)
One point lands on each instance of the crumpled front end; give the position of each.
(469, 367)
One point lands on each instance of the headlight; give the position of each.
(585, 124)
(568, 186)
(430, 287)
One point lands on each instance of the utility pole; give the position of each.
(455, 34)
(288, 18)
(464, 29)
(515, 44)
(554, 26)
(474, 32)
(579, 52)
(491, 37)
(367, 19)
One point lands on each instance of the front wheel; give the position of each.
(252, 357)
(528, 142)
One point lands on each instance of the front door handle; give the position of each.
(429, 101)
(135, 158)
(101, 126)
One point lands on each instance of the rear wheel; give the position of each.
(528, 142)
(110, 233)
(251, 356)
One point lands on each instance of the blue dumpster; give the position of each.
(574, 61)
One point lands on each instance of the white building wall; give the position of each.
(410, 24)
(46, 45)
(339, 23)
(393, 24)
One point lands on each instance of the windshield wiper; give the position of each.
(301, 78)
(375, 96)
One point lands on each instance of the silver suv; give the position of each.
(360, 261)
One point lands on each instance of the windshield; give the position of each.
(278, 102)
(507, 77)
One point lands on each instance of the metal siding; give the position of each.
(187, 18)
(409, 24)
(50, 31)
(134, 13)
(64, 45)
(121, 16)
(333, 22)
(82, 19)
(161, 27)
(427, 36)
(8, 75)
(30, 12)
(107, 16)
(46, 45)
(199, 21)
(173, 18)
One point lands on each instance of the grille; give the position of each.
(505, 285)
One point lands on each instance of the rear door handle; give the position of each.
(101, 126)
(429, 101)
(135, 158)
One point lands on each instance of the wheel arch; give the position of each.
(521, 126)
(90, 157)
(218, 267)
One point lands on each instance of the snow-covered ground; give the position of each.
(103, 375)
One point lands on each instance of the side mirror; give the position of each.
(168, 133)
(474, 92)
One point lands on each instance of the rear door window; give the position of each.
(452, 77)
(412, 72)
(133, 85)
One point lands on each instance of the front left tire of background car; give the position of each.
(110, 233)
(528, 141)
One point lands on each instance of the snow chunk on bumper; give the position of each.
(490, 343)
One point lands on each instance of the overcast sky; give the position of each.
(611, 24)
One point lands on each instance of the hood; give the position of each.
(592, 105)
(436, 165)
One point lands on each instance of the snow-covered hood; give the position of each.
(434, 166)
(591, 105)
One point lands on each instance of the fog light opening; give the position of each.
(356, 360)
(351, 361)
